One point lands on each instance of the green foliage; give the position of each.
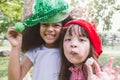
(103, 38)
(3, 67)
(10, 13)
(100, 11)
(104, 10)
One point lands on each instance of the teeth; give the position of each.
(50, 36)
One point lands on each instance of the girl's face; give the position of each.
(50, 33)
(76, 45)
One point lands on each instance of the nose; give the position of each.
(74, 44)
(49, 28)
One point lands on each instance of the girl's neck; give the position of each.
(78, 66)
(51, 46)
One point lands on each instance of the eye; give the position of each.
(57, 25)
(44, 24)
(67, 39)
(82, 39)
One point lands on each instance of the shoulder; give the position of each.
(33, 52)
(34, 49)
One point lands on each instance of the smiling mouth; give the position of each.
(48, 36)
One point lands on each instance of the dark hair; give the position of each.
(65, 64)
(32, 38)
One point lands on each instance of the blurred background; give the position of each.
(104, 14)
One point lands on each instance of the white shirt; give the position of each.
(46, 63)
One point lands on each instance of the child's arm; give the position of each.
(16, 71)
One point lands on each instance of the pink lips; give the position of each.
(73, 52)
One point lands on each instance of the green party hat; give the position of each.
(43, 11)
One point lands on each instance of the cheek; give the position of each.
(65, 47)
(86, 53)
(84, 50)
(87, 50)
(58, 31)
(41, 33)
(41, 30)
(66, 51)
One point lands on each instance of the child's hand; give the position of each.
(105, 74)
(114, 74)
(14, 38)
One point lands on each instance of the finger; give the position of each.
(12, 35)
(117, 70)
(97, 68)
(10, 29)
(89, 63)
(110, 63)
(115, 74)
(89, 69)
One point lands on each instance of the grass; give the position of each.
(3, 67)
(109, 52)
(105, 57)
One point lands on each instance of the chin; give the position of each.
(50, 42)
(75, 62)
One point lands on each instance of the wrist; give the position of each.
(16, 49)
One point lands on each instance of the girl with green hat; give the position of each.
(43, 21)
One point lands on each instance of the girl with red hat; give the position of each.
(80, 50)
